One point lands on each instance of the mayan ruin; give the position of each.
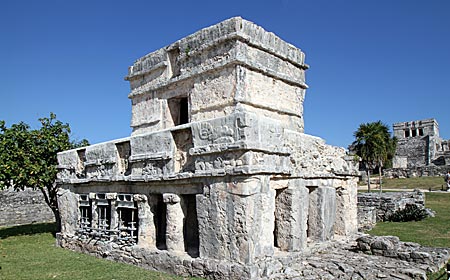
(420, 150)
(218, 179)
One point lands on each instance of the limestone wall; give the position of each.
(376, 207)
(23, 207)
(418, 172)
(414, 151)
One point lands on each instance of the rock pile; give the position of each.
(369, 257)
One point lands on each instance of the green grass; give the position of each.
(435, 183)
(434, 232)
(29, 252)
(424, 183)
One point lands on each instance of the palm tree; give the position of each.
(375, 146)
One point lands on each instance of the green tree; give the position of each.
(28, 157)
(375, 146)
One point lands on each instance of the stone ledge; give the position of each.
(392, 247)
(233, 28)
(340, 259)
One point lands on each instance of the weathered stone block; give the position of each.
(322, 213)
(147, 230)
(291, 215)
(236, 227)
(175, 223)
(68, 211)
(346, 209)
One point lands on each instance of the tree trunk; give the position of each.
(368, 180)
(51, 200)
(57, 220)
(380, 177)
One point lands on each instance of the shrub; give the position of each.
(411, 212)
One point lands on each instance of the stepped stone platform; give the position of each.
(360, 256)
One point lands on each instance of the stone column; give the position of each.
(94, 214)
(114, 222)
(322, 213)
(346, 207)
(146, 231)
(68, 211)
(236, 220)
(175, 218)
(291, 216)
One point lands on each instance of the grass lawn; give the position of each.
(435, 183)
(29, 252)
(434, 232)
(424, 183)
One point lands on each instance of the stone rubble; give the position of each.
(369, 257)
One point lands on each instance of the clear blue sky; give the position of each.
(370, 60)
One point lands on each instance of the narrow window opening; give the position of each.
(179, 110)
(184, 111)
(85, 215)
(414, 132)
(278, 217)
(124, 151)
(420, 131)
(160, 223)
(406, 133)
(173, 59)
(127, 219)
(190, 227)
(183, 142)
(104, 216)
(79, 171)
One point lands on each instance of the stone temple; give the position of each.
(218, 178)
(420, 150)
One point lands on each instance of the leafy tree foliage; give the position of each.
(28, 156)
(375, 146)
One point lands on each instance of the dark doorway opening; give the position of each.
(179, 110)
(279, 216)
(160, 223)
(312, 210)
(190, 227)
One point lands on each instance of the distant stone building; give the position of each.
(420, 150)
(218, 175)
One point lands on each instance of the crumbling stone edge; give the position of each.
(361, 256)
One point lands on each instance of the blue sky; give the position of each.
(370, 60)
